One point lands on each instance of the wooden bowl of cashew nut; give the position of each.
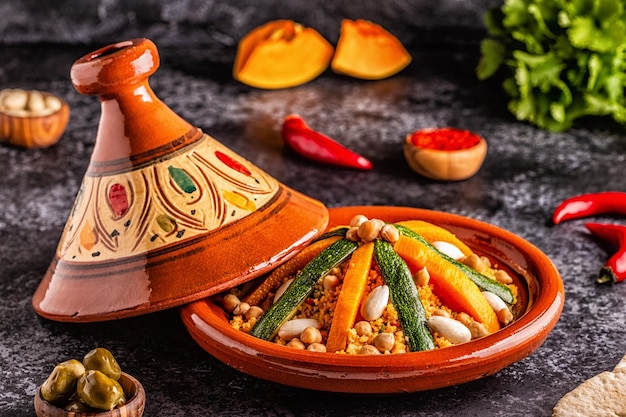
(31, 118)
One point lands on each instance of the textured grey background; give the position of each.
(214, 23)
(526, 174)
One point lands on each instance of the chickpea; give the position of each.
(368, 350)
(353, 234)
(504, 316)
(389, 233)
(474, 262)
(241, 309)
(503, 277)
(254, 312)
(422, 277)
(316, 347)
(478, 329)
(311, 335)
(358, 220)
(296, 344)
(230, 301)
(441, 312)
(370, 230)
(363, 328)
(331, 281)
(384, 341)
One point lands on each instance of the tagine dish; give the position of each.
(389, 299)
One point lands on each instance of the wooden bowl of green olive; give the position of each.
(95, 387)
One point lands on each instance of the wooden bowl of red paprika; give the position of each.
(446, 154)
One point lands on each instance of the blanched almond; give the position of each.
(293, 328)
(451, 329)
(449, 249)
(375, 303)
(282, 289)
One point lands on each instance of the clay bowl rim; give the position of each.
(418, 371)
(134, 407)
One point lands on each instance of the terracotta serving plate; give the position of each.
(541, 301)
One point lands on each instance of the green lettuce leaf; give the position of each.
(561, 59)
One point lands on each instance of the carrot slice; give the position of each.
(290, 267)
(434, 233)
(454, 288)
(349, 300)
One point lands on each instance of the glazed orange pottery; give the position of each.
(165, 214)
(540, 302)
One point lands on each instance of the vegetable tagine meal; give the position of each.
(373, 287)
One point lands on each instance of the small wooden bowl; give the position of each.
(136, 401)
(445, 165)
(541, 297)
(33, 129)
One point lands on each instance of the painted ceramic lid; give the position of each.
(165, 213)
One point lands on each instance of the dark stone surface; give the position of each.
(217, 24)
(526, 174)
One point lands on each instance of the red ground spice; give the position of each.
(445, 139)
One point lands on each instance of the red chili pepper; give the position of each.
(318, 147)
(614, 270)
(586, 205)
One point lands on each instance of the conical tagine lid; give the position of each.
(165, 214)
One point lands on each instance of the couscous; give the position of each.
(371, 307)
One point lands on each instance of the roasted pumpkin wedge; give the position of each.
(365, 50)
(281, 54)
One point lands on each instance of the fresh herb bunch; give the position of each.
(562, 59)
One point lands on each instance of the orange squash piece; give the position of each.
(449, 283)
(433, 233)
(365, 50)
(350, 297)
(281, 54)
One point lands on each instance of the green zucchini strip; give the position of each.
(337, 232)
(484, 283)
(283, 309)
(404, 296)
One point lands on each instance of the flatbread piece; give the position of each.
(603, 395)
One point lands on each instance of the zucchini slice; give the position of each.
(268, 324)
(404, 296)
(484, 283)
(341, 231)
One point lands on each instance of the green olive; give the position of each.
(102, 360)
(99, 391)
(77, 405)
(61, 383)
